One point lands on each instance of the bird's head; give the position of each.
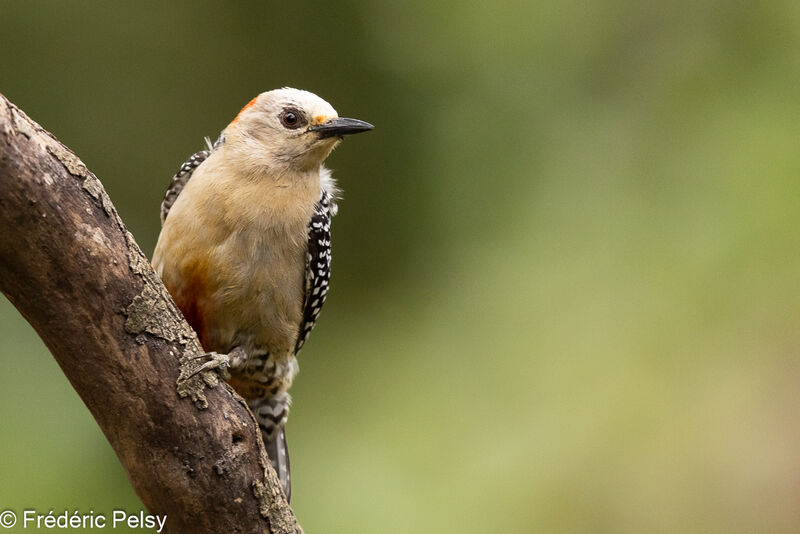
(290, 129)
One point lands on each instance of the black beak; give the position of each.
(341, 126)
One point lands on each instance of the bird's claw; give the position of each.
(215, 360)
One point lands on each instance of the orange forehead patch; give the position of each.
(248, 106)
(319, 119)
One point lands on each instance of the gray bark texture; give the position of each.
(191, 448)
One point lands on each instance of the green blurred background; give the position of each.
(566, 288)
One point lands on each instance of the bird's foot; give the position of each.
(213, 360)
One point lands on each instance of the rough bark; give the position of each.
(192, 451)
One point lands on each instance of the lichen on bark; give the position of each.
(152, 312)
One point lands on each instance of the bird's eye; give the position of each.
(292, 119)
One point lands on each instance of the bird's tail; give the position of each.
(271, 414)
(278, 450)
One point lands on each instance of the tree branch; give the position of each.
(193, 453)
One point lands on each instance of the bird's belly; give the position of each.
(242, 288)
(258, 303)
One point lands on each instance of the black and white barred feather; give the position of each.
(318, 264)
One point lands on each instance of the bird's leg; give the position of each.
(222, 362)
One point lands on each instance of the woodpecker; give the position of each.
(244, 247)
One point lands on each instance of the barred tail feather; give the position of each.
(271, 414)
(278, 453)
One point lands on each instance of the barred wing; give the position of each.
(318, 266)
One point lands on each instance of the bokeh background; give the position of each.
(566, 290)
